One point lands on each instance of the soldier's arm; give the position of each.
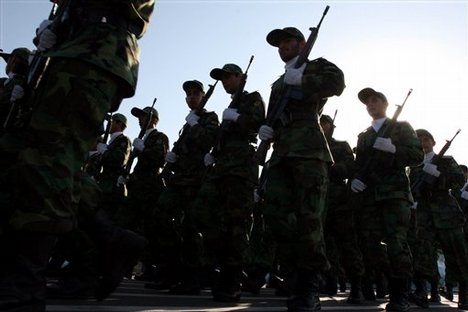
(322, 79)
(451, 176)
(344, 162)
(253, 116)
(204, 134)
(154, 153)
(408, 147)
(117, 154)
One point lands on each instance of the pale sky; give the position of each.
(391, 46)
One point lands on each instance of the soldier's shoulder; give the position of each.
(365, 132)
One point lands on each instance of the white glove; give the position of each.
(431, 169)
(171, 157)
(101, 148)
(257, 197)
(293, 76)
(42, 26)
(465, 187)
(17, 93)
(192, 118)
(464, 195)
(385, 145)
(230, 114)
(139, 144)
(414, 205)
(47, 39)
(121, 180)
(357, 186)
(265, 133)
(208, 160)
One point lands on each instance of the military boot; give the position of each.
(463, 296)
(22, 281)
(419, 296)
(398, 295)
(368, 289)
(448, 292)
(306, 293)
(356, 296)
(381, 286)
(229, 286)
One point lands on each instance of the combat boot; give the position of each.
(229, 287)
(306, 297)
(356, 296)
(22, 284)
(448, 292)
(419, 296)
(398, 295)
(463, 296)
(381, 286)
(368, 289)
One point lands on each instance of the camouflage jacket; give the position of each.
(235, 151)
(104, 33)
(298, 133)
(384, 173)
(193, 143)
(5, 93)
(340, 171)
(151, 159)
(113, 162)
(440, 199)
(92, 164)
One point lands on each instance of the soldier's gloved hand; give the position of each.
(17, 93)
(208, 160)
(358, 186)
(101, 148)
(192, 118)
(385, 145)
(171, 157)
(121, 180)
(414, 205)
(230, 114)
(266, 133)
(47, 39)
(42, 26)
(464, 195)
(431, 169)
(139, 144)
(293, 76)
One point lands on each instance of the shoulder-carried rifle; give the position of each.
(165, 173)
(108, 118)
(234, 104)
(275, 112)
(425, 181)
(368, 169)
(134, 153)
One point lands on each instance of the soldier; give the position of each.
(298, 170)
(14, 87)
(92, 66)
(114, 157)
(383, 151)
(145, 183)
(223, 205)
(439, 218)
(339, 221)
(178, 238)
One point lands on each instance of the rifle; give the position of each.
(234, 104)
(274, 113)
(167, 170)
(370, 165)
(425, 181)
(108, 118)
(334, 116)
(134, 153)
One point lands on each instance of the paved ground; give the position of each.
(131, 296)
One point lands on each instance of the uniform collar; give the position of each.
(378, 123)
(114, 135)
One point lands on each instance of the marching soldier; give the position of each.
(382, 188)
(223, 205)
(439, 218)
(298, 170)
(92, 66)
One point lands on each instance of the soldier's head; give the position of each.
(119, 123)
(426, 139)
(289, 41)
(375, 101)
(144, 114)
(326, 122)
(230, 75)
(193, 93)
(17, 61)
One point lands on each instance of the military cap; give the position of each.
(365, 93)
(120, 117)
(21, 53)
(192, 84)
(424, 132)
(138, 112)
(326, 118)
(277, 35)
(217, 73)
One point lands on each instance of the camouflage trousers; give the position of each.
(223, 214)
(382, 229)
(294, 207)
(68, 107)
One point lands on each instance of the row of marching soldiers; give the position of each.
(207, 220)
